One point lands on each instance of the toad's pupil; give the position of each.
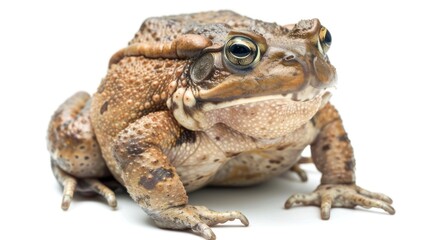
(239, 50)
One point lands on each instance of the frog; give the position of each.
(209, 99)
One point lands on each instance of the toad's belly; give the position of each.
(257, 166)
(232, 159)
(245, 169)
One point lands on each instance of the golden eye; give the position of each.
(242, 52)
(325, 40)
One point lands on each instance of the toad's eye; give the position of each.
(325, 40)
(238, 50)
(242, 52)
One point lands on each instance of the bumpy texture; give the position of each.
(72, 141)
(132, 88)
(210, 98)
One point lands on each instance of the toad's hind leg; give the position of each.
(76, 158)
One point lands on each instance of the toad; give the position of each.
(212, 98)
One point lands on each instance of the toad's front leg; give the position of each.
(332, 154)
(153, 182)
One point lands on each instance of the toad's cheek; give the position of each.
(265, 119)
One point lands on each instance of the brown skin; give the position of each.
(179, 110)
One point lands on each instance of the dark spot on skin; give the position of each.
(82, 147)
(231, 154)
(326, 147)
(274, 161)
(344, 138)
(134, 147)
(145, 199)
(281, 148)
(157, 175)
(186, 136)
(76, 156)
(86, 158)
(216, 160)
(200, 177)
(217, 138)
(174, 106)
(350, 165)
(327, 188)
(104, 107)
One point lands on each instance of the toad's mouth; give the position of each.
(209, 101)
(263, 117)
(307, 95)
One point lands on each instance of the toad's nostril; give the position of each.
(289, 57)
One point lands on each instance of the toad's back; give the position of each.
(213, 25)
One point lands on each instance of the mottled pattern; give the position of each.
(260, 160)
(333, 143)
(72, 141)
(150, 178)
(132, 88)
(168, 119)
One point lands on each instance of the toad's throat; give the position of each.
(259, 118)
(269, 116)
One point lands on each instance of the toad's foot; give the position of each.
(341, 195)
(197, 218)
(71, 185)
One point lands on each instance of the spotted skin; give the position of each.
(132, 88)
(76, 159)
(175, 113)
(332, 143)
(72, 141)
(151, 179)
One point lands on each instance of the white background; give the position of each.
(49, 50)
